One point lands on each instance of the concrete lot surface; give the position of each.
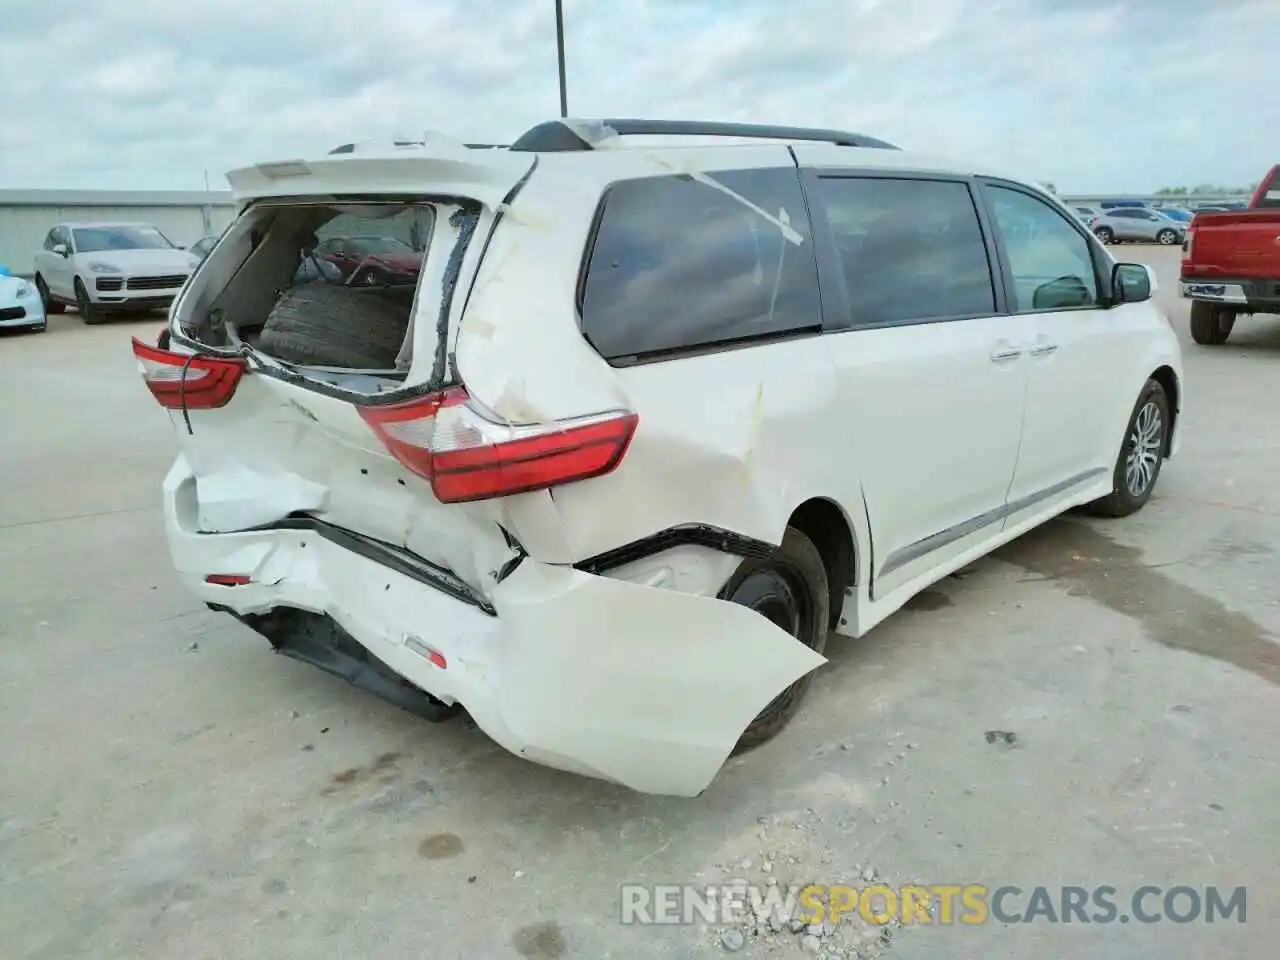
(169, 789)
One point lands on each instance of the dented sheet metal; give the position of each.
(643, 686)
(651, 688)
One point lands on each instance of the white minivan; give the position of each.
(633, 414)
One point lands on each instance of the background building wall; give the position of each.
(26, 216)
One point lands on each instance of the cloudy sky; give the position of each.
(1102, 95)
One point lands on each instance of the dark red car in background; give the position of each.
(372, 260)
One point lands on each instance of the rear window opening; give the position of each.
(329, 289)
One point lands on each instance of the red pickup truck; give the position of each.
(1231, 263)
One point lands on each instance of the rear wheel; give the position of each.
(790, 589)
(1211, 323)
(1167, 237)
(50, 305)
(84, 305)
(1105, 234)
(1141, 455)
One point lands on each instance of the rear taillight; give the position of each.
(228, 579)
(468, 455)
(1186, 242)
(181, 381)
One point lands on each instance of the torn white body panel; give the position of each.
(646, 687)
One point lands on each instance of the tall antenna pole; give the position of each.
(564, 92)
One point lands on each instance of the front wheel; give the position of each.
(790, 589)
(1141, 455)
(1211, 323)
(1167, 237)
(84, 305)
(1105, 234)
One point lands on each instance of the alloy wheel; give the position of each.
(1145, 444)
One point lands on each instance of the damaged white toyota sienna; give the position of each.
(597, 436)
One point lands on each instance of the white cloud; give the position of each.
(1090, 94)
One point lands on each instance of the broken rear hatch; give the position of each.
(289, 440)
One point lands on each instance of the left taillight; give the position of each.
(468, 455)
(181, 381)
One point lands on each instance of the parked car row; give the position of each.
(1128, 224)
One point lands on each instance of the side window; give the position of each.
(49, 241)
(678, 263)
(1049, 259)
(910, 249)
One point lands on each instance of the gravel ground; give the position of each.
(170, 789)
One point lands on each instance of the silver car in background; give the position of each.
(1137, 223)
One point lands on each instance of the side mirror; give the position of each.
(1131, 283)
(61, 249)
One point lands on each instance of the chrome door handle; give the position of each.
(1043, 349)
(1003, 356)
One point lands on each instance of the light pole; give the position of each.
(564, 93)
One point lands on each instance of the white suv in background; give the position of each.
(657, 407)
(109, 267)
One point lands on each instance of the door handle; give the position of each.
(1005, 354)
(1043, 349)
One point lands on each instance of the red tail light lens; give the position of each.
(183, 381)
(228, 579)
(467, 455)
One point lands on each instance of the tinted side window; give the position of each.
(678, 263)
(910, 249)
(1049, 259)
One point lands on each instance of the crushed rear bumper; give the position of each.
(644, 686)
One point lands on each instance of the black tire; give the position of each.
(1167, 238)
(1124, 499)
(794, 575)
(84, 306)
(332, 326)
(51, 306)
(1211, 323)
(1105, 234)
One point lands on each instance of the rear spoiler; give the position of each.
(437, 166)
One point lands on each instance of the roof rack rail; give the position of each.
(351, 147)
(566, 135)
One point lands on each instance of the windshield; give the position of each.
(367, 245)
(1179, 215)
(98, 239)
